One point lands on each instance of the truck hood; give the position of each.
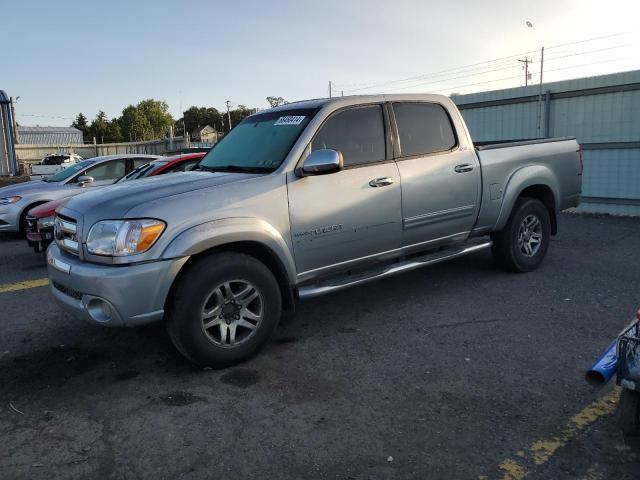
(114, 201)
(25, 188)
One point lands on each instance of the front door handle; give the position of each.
(381, 182)
(465, 167)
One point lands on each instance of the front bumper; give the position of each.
(110, 295)
(38, 238)
(10, 217)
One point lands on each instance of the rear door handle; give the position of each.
(381, 182)
(465, 167)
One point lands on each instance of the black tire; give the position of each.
(629, 412)
(506, 251)
(196, 287)
(22, 226)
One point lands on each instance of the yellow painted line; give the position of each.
(14, 287)
(541, 451)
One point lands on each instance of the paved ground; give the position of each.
(456, 371)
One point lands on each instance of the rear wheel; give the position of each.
(523, 242)
(224, 309)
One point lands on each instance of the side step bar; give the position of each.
(316, 290)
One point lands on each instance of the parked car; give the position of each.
(60, 159)
(16, 200)
(175, 163)
(302, 200)
(39, 228)
(53, 163)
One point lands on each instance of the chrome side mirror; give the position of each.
(85, 180)
(321, 162)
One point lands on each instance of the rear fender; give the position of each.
(521, 179)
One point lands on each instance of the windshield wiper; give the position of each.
(236, 168)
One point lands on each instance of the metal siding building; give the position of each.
(602, 112)
(49, 136)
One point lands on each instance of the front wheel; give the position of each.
(523, 242)
(224, 309)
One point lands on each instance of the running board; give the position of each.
(323, 288)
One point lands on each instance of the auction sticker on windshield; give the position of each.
(290, 120)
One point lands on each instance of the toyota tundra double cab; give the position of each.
(303, 200)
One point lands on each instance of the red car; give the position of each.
(40, 219)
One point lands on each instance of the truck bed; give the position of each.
(509, 166)
(491, 144)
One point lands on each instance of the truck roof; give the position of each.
(360, 99)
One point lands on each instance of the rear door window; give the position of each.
(423, 128)
(358, 133)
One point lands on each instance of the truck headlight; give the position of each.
(46, 222)
(9, 200)
(119, 238)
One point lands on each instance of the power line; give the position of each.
(518, 76)
(592, 39)
(486, 63)
(44, 116)
(449, 70)
(557, 57)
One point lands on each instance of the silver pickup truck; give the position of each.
(302, 200)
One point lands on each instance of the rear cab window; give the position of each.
(423, 128)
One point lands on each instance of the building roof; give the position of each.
(39, 129)
(49, 135)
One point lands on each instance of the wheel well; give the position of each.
(260, 252)
(545, 195)
(26, 209)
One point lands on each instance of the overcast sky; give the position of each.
(64, 57)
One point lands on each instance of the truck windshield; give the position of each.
(258, 143)
(69, 171)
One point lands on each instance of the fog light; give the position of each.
(106, 310)
(100, 310)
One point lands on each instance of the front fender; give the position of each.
(230, 230)
(523, 178)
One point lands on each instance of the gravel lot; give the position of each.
(455, 371)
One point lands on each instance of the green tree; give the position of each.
(196, 117)
(157, 114)
(81, 124)
(113, 132)
(237, 115)
(98, 127)
(276, 101)
(134, 125)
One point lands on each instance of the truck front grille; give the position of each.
(65, 233)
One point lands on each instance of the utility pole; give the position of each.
(329, 88)
(540, 93)
(526, 62)
(228, 103)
